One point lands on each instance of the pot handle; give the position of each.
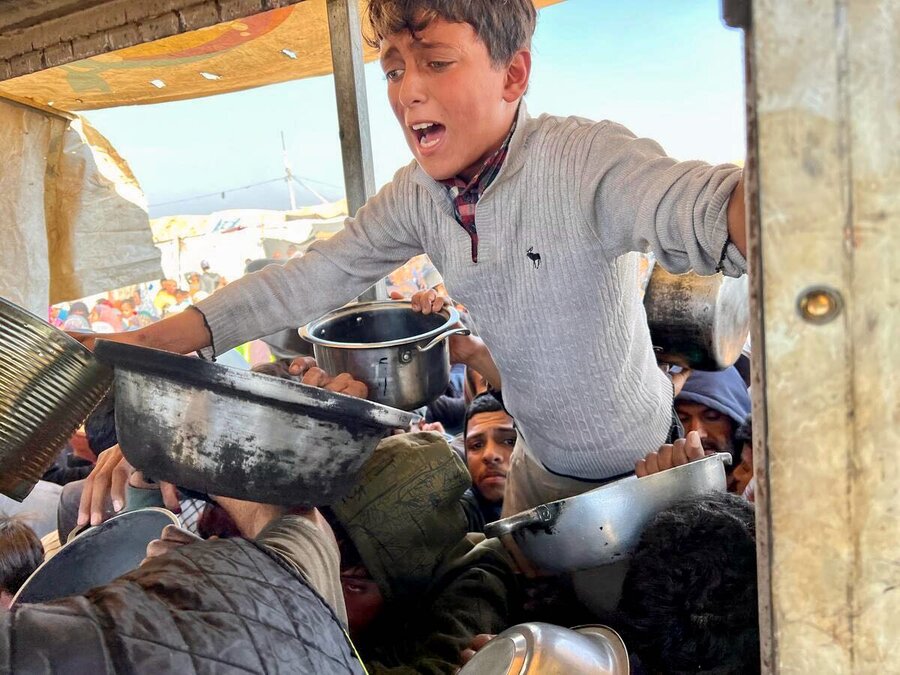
(457, 330)
(541, 515)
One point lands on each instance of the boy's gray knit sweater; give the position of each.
(570, 336)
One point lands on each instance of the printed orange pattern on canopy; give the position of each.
(276, 46)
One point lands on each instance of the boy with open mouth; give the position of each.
(530, 221)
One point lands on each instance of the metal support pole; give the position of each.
(353, 114)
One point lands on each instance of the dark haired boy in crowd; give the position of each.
(689, 602)
(489, 438)
(529, 221)
(21, 553)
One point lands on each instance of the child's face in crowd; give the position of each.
(743, 472)
(362, 597)
(490, 438)
(443, 76)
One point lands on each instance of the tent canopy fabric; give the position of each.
(276, 46)
(73, 220)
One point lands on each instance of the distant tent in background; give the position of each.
(302, 220)
(227, 238)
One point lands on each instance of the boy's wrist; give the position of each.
(482, 361)
(475, 353)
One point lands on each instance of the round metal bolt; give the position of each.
(820, 304)
(405, 356)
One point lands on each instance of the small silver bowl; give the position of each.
(545, 649)
(603, 526)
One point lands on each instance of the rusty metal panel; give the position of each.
(824, 203)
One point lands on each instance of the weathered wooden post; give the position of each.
(824, 199)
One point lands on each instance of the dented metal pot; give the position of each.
(603, 526)
(236, 433)
(697, 321)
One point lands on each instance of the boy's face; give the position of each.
(454, 105)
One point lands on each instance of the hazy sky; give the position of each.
(667, 69)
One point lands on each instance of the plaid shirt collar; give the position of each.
(465, 194)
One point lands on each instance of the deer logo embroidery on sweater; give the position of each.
(534, 257)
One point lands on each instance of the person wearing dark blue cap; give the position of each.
(711, 407)
(714, 404)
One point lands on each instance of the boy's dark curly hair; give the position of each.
(483, 403)
(744, 433)
(21, 552)
(689, 600)
(505, 26)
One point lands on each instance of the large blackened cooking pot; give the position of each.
(697, 321)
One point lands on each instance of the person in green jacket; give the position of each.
(417, 587)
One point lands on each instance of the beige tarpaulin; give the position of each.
(276, 46)
(72, 217)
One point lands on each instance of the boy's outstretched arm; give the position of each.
(690, 214)
(737, 219)
(180, 333)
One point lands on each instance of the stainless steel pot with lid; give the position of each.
(49, 384)
(401, 355)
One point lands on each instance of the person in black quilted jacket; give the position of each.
(242, 605)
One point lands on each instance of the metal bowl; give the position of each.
(96, 556)
(400, 354)
(604, 525)
(544, 649)
(49, 384)
(240, 434)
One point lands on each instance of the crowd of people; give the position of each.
(143, 305)
(532, 222)
(401, 563)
